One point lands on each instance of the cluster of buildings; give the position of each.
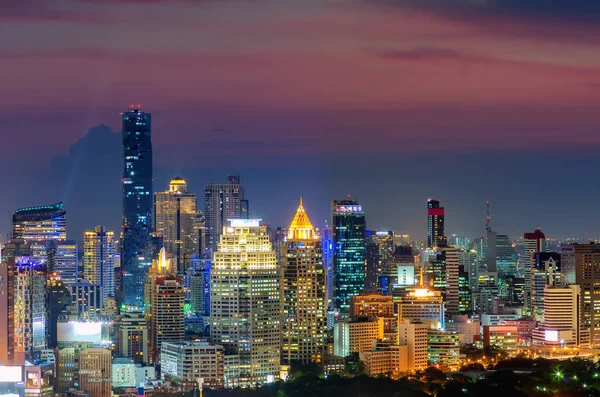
(185, 299)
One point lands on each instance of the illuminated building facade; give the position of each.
(222, 202)
(165, 298)
(134, 337)
(506, 256)
(7, 309)
(137, 204)
(435, 224)
(443, 347)
(39, 225)
(349, 228)
(63, 258)
(444, 265)
(86, 299)
(175, 217)
(532, 243)
(587, 274)
(245, 307)
(561, 325)
(186, 362)
(30, 315)
(414, 334)
(327, 245)
(95, 372)
(546, 271)
(303, 293)
(424, 305)
(99, 260)
(356, 334)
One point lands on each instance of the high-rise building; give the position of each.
(506, 256)
(245, 302)
(58, 297)
(134, 337)
(546, 271)
(175, 217)
(137, 204)
(30, 316)
(443, 347)
(222, 202)
(349, 228)
(532, 243)
(327, 244)
(186, 362)
(303, 293)
(423, 305)
(561, 324)
(444, 266)
(39, 225)
(164, 297)
(374, 304)
(435, 224)
(99, 260)
(587, 274)
(356, 334)
(63, 258)
(95, 372)
(7, 310)
(413, 334)
(86, 299)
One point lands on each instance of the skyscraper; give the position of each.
(63, 258)
(245, 302)
(39, 225)
(175, 218)
(222, 202)
(532, 243)
(95, 367)
(587, 275)
(327, 245)
(444, 264)
(164, 297)
(99, 260)
(137, 203)
(435, 224)
(349, 228)
(303, 293)
(506, 256)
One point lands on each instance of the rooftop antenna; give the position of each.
(488, 218)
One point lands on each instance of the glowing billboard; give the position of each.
(79, 331)
(10, 374)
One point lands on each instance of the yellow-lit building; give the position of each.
(99, 259)
(245, 311)
(356, 335)
(422, 304)
(95, 366)
(303, 293)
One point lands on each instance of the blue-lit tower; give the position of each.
(349, 227)
(327, 246)
(137, 204)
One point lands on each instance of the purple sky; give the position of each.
(288, 83)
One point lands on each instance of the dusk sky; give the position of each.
(391, 101)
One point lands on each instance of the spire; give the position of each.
(301, 227)
(421, 277)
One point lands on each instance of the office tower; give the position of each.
(327, 245)
(349, 227)
(374, 304)
(464, 291)
(468, 261)
(400, 276)
(587, 274)
(222, 202)
(567, 262)
(99, 260)
(199, 237)
(443, 347)
(67, 369)
(413, 334)
(164, 297)
(532, 243)
(134, 337)
(58, 297)
(483, 297)
(444, 265)
(7, 309)
(423, 305)
(561, 324)
(175, 219)
(137, 204)
(197, 283)
(95, 376)
(30, 315)
(506, 256)
(356, 334)
(248, 325)
(303, 293)
(435, 224)
(186, 362)
(546, 271)
(86, 299)
(372, 261)
(63, 258)
(39, 225)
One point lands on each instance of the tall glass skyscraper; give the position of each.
(349, 227)
(435, 224)
(137, 204)
(223, 202)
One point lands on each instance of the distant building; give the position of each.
(175, 212)
(164, 297)
(303, 293)
(435, 224)
(349, 227)
(137, 204)
(422, 305)
(245, 267)
(99, 260)
(532, 243)
(443, 347)
(39, 225)
(222, 202)
(356, 334)
(384, 359)
(86, 298)
(186, 362)
(134, 337)
(413, 334)
(95, 372)
(63, 258)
